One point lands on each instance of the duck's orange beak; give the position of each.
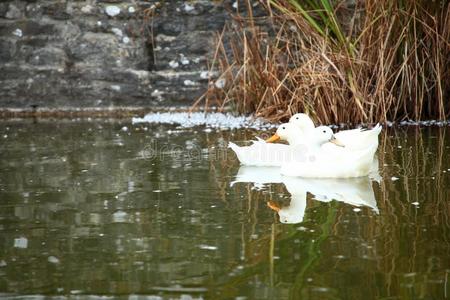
(273, 206)
(337, 142)
(273, 138)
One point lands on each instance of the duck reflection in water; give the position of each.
(353, 191)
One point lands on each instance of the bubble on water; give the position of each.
(21, 242)
(393, 178)
(207, 247)
(76, 292)
(415, 203)
(120, 216)
(320, 289)
(131, 185)
(356, 209)
(53, 260)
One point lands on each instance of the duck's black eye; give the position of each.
(283, 127)
(297, 118)
(324, 131)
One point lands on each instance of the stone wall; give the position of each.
(103, 53)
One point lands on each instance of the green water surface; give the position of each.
(107, 209)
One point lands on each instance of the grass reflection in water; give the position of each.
(90, 208)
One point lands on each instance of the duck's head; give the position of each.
(285, 132)
(303, 121)
(288, 214)
(324, 134)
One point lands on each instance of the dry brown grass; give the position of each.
(391, 62)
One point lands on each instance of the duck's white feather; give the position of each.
(308, 157)
(358, 139)
(263, 154)
(332, 165)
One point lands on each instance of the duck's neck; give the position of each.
(296, 140)
(305, 140)
(300, 137)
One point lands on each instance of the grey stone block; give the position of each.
(49, 56)
(76, 53)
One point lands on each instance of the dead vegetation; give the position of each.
(391, 62)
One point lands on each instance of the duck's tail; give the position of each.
(370, 137)
(238, 151)
(233, 146)
(377, 129)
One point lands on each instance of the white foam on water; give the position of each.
(230, 121)
(21, 242)
(53, 259)
(207, 247)
(211, 120)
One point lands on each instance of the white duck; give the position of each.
(290, 133)
(313, 160)
(267, 154)
(356, 192)
(263, 154)
(353, 139)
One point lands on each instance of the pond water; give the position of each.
(116, 210)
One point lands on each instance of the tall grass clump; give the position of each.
(380, 60)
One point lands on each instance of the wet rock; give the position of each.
(100, 53)
(29, 28)
(7, 49)
(34, 10)
(96, 48)
(3, 9)
(56, 10)
(49, 56)
(13, 12)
